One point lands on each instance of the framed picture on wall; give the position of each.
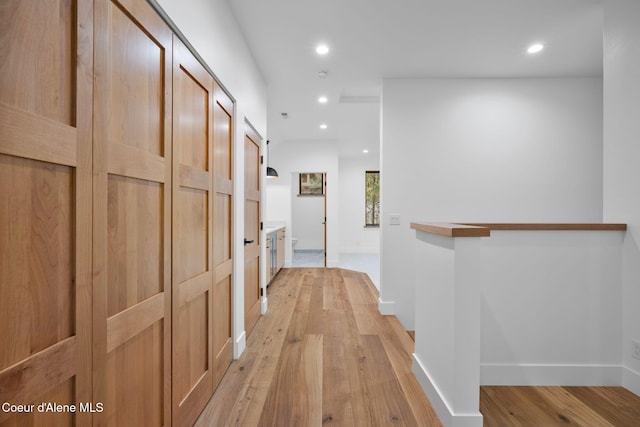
(311, 184)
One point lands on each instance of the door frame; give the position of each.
(295, 193)
(324, 195)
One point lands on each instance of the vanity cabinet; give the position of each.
(275, 252)
(280, 251)
(269, 244)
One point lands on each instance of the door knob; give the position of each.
(247, 242)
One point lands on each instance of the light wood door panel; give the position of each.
(252, 246)
(222, 232)
(88, 193)
(38, 58)
(45, 208)
(131, 215)
(192, 236)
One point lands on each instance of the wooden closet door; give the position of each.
(192, 236)
(252, 185)
(132, 215)
(222, 232)
(45, 208)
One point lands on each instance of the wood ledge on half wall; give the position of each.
(468, 229)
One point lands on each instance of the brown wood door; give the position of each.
(192, 237)
(131, 211)
(251, 229)
(222, 232)
(45, 208)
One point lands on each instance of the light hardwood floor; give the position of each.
(559, 406)
(323, 355)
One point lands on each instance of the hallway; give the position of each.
(322, 355)
(368, 263)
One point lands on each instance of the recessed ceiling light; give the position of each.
(322, 49)
(323, 126)
(535, 48)
(322, 100)
(365, 151)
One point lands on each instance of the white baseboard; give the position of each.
(439, 403)
(240, 345)
(332, 263)
(550, 375)
(386, 308)
(631, 380)
(264, 306)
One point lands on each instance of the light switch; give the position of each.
(394, 219)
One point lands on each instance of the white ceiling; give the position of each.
(375, 39)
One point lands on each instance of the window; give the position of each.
(311, 184)
(372, 198)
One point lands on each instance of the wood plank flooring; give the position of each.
(322, 355)
(559, 406)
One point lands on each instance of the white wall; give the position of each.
(527, 150)
(622, 159)
(289, 158)
(211, 28)
(521, 307)
(551, 308)
(307, 216)
(447, 348)
(354, 237)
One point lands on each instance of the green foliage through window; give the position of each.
(372, 198)
(311, 184)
